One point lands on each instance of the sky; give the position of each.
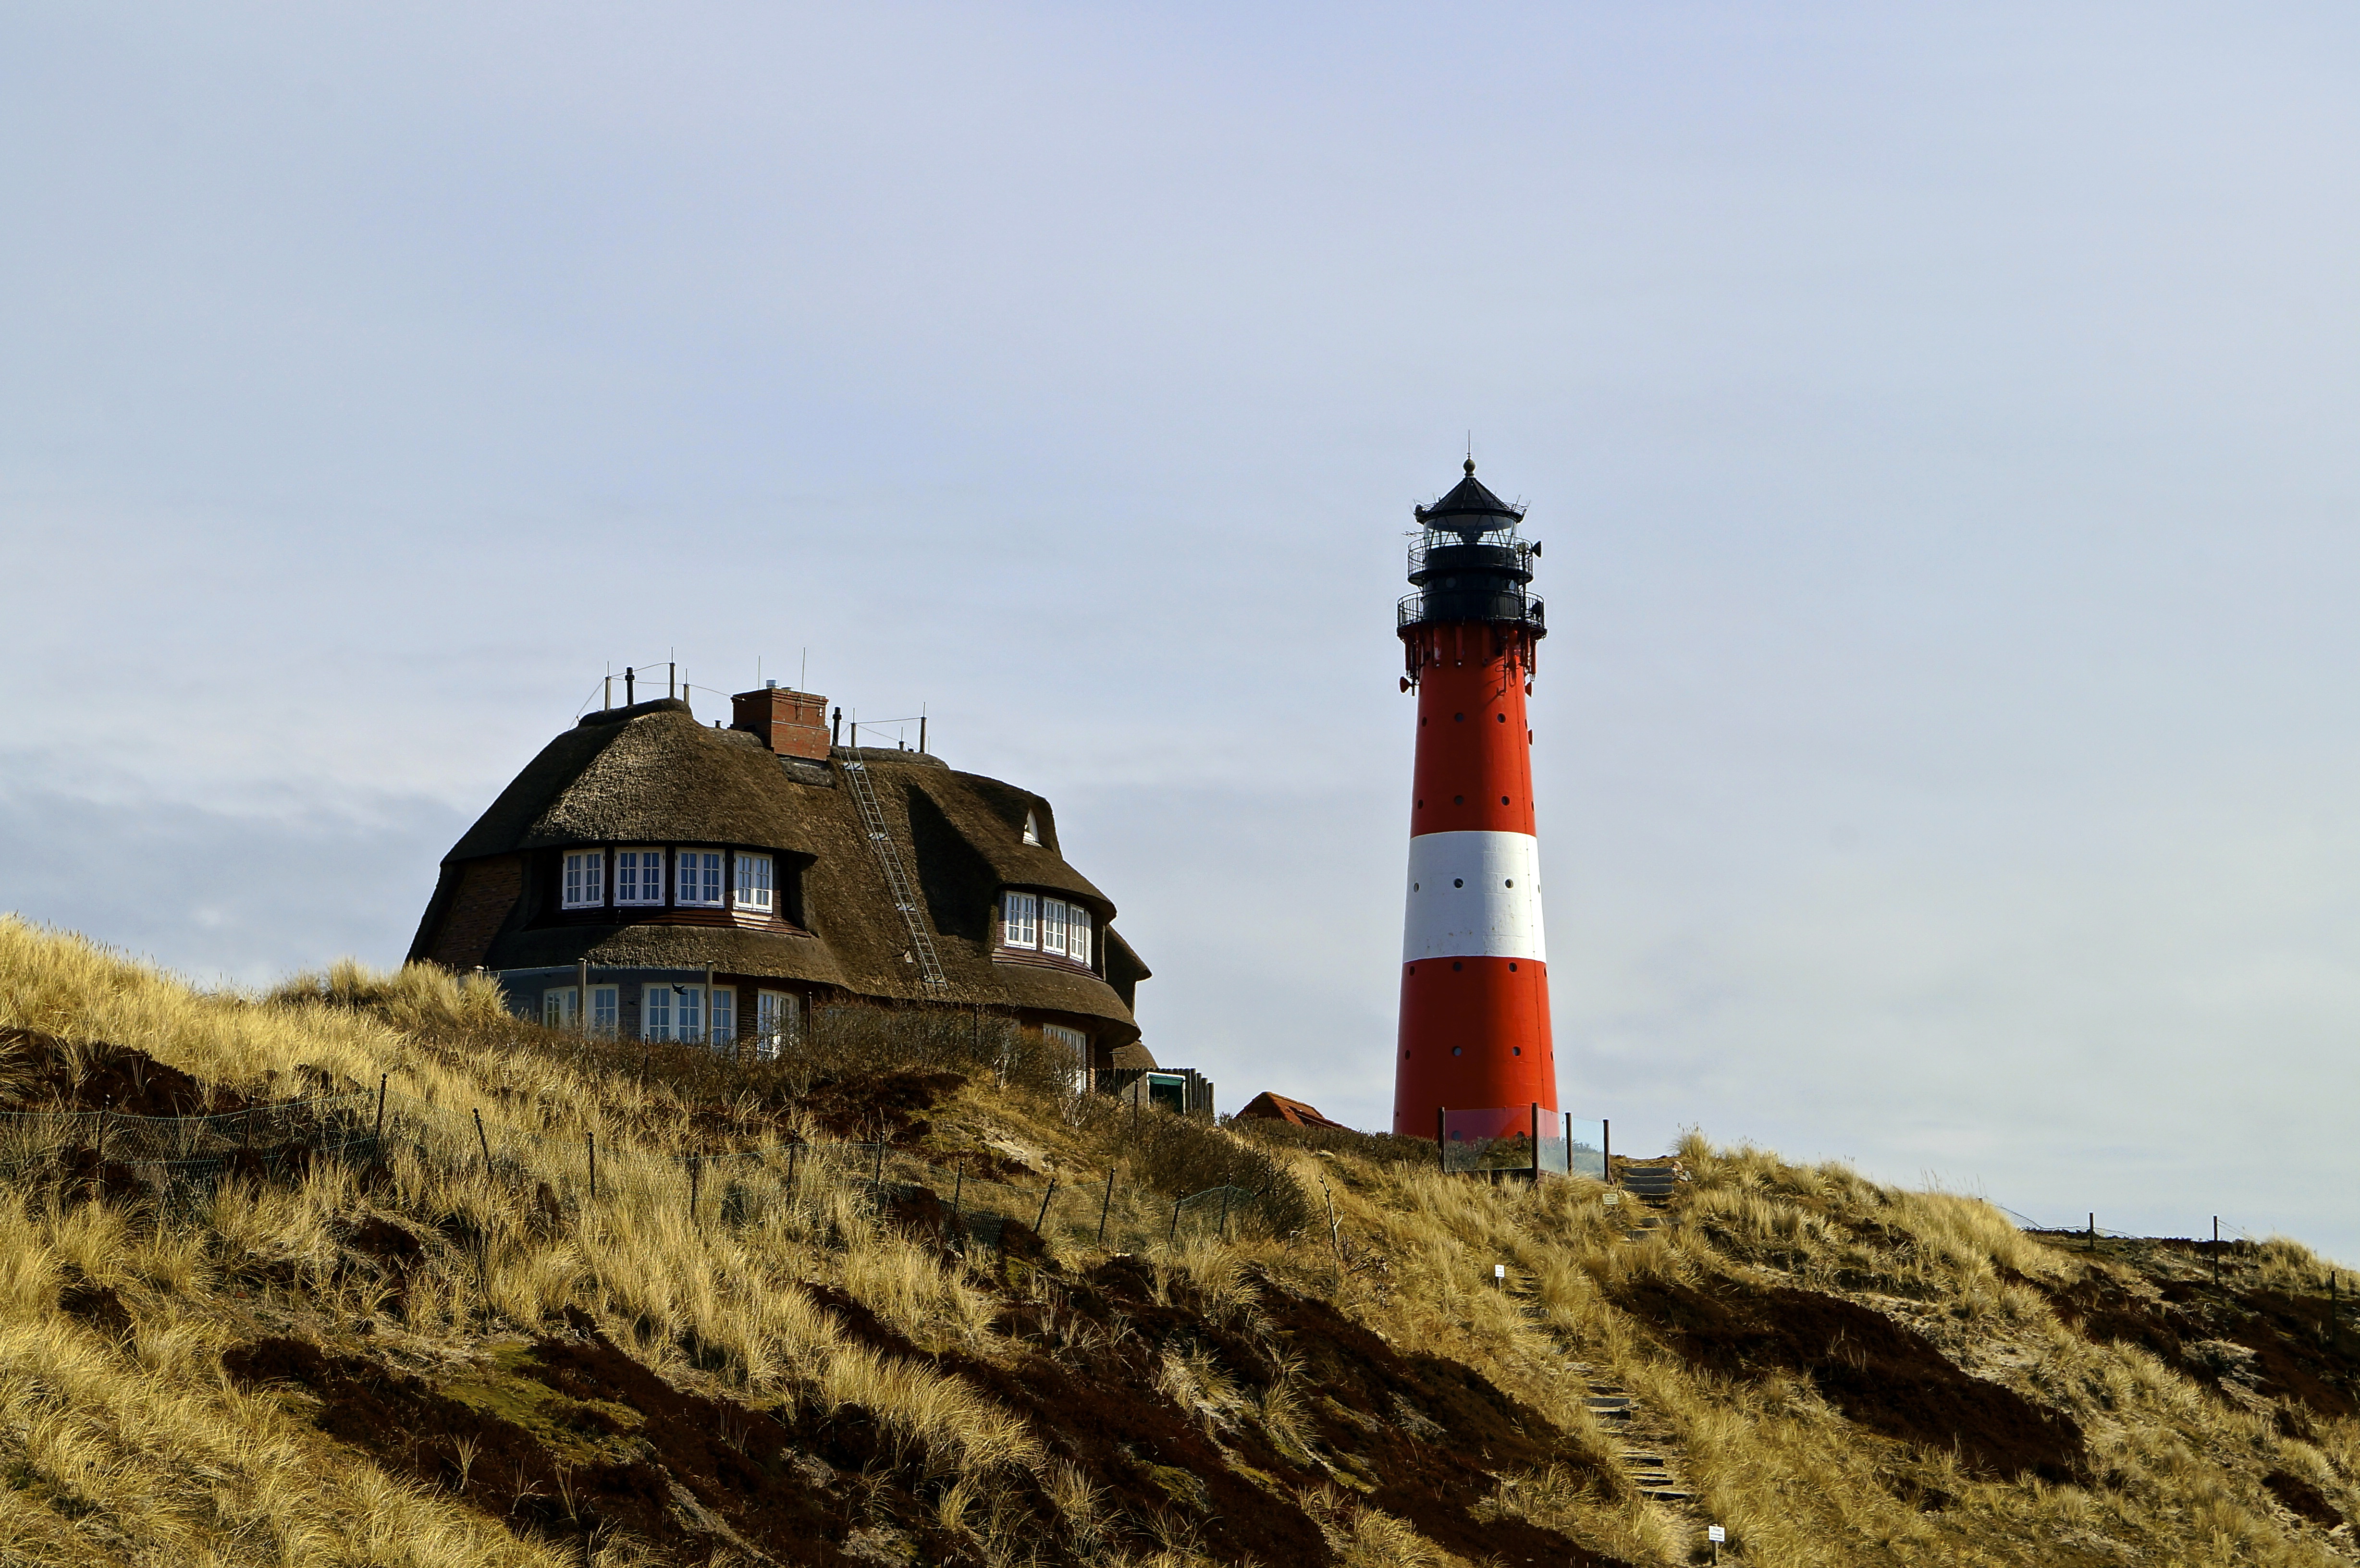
(1938, 419)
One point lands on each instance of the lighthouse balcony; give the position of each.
(1442, 604)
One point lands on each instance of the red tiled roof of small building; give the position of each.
(1272, 1108)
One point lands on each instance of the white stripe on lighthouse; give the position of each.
(1474, 894)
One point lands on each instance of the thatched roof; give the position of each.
(651, 773)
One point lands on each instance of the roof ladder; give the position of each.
(897, 877)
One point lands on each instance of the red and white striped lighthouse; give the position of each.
(1474, 996)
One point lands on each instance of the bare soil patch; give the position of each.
(1883, 1375)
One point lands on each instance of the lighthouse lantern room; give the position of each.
(1474, 998)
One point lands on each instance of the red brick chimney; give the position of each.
(792, 724)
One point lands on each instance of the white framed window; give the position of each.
(1053, 926)
(777, 1022)
(1018, 917)
(698, 877)
(688, 1012)
(559, 1007)
(639, 877)
(1077, 933)
(754, 890)
(655, 1011)
(605, 1009)
(724, 1015)
(585, 878)
(1077, 1042)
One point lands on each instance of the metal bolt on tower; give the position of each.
(1474, 996)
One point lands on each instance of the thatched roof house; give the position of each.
(714, 884)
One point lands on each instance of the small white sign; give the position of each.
(1715, 1534)
(1613, 1197)
(1499, 1271)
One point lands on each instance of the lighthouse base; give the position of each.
(1474, 1036)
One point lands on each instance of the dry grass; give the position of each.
(132, 1446)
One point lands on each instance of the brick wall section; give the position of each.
(488, 891)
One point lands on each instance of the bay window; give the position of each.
(585, 880)
(1053, 926)
(639, 877)
(699, 877)
(754, 883)
(1018, 917)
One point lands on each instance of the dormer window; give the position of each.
(1039, 924)
(1031, 828)
(753, 883)
(1019, 918)
(699, 877)
(585, 880)
(639, 877)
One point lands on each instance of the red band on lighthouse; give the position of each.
(1474, 1003)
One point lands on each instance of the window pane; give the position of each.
(655, 1011)
(754, 881)
(639, 877)
(725, 1013)
(603, 1000)
(1018, 913)
(688, 1009)
(1077, 933)
(1053, 925)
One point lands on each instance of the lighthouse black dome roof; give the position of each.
(1470, 508)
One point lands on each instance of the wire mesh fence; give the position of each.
(176, 1155)
(979, 1202)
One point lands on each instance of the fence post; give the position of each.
(1606, 1136)
(958, 1190)
(793, 1149)
(1043, 1217)
(2216, 1252)
(1225, 1210)
(877, 1182)
(592, 1139)
(1104, 1204)
(1175, 1229)
(1335, 1234)
(379, 1137)
(1441, 1137)
(1537, 1141)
